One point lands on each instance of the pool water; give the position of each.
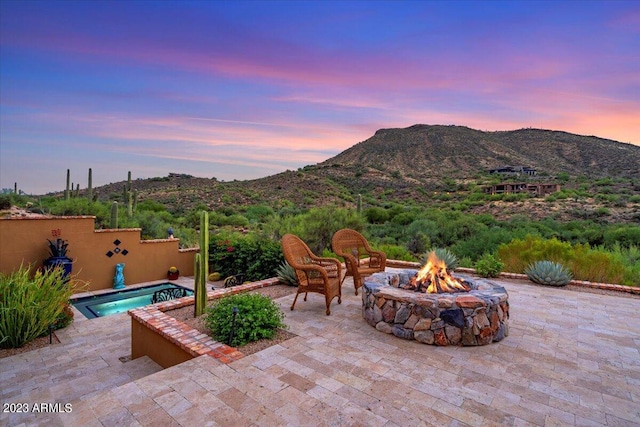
(119, 302)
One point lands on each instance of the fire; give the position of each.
(436, 278)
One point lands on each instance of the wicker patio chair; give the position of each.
(315, 274)
(360, 259)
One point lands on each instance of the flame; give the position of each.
(434, 273)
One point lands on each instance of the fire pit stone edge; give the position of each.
(477, 317)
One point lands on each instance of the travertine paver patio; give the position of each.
(572, 358)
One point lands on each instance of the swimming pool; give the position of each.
(119, 302)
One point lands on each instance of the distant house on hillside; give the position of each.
(535, 190)
(179, 175)
(514, 170)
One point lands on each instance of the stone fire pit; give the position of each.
(477, 317)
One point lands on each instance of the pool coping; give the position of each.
(183, 336)
(84, 301)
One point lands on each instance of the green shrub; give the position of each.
(258, 213)
(630, 258)
(548, 273)
(487, 240)
(520, 253)
(466, 262)
(376, 215)
(585, 263)
(418, 243)
(317, 226)
(151, 205)
(404, 218)
(257, 317)
(624, 235)
(30, 303)
(396, 252)
(255, 257)
(595, 265)
(489, 266)
(5, 202)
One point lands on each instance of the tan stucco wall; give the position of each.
(23, 241)
(145, 342)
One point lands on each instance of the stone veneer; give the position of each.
(477, 317)
(184, 336)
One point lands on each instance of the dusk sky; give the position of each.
(243, 90)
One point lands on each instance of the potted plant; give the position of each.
(173, 273)
(58, 257)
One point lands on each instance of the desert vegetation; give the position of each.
(408, 191)
(245, 239)
(32, 303)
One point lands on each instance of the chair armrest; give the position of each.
(377, 258)
(350, 261)
(329, 264)
(311, 270)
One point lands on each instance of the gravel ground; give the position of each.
(31, 345)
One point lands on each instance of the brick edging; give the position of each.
(184, 336)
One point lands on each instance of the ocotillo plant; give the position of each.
(114, 215)
(201, 270)
(90, 188)
(67, 193)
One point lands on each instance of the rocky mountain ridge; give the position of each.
(402, 165)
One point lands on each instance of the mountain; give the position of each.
(423, 152)
(402, 165)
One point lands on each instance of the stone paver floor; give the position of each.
(571, 358)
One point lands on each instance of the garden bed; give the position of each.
(185, 315)
(169, 341)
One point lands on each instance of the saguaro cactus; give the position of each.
(201, 270)
(135, 200)
(114, 215)
(129, 195)
(359, 205)
(67, 192)
(90, 187)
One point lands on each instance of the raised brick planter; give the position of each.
(168, 341)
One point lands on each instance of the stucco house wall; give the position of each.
(95, 253)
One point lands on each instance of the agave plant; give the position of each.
(445, 255)
(548, 273)
(287, 274)
(58, 249)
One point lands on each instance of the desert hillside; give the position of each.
(415, 165)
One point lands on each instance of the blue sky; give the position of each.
(242, 90)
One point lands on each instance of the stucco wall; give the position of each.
(95, 252)
(145, 342)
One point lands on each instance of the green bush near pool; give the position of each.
(257, 317)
